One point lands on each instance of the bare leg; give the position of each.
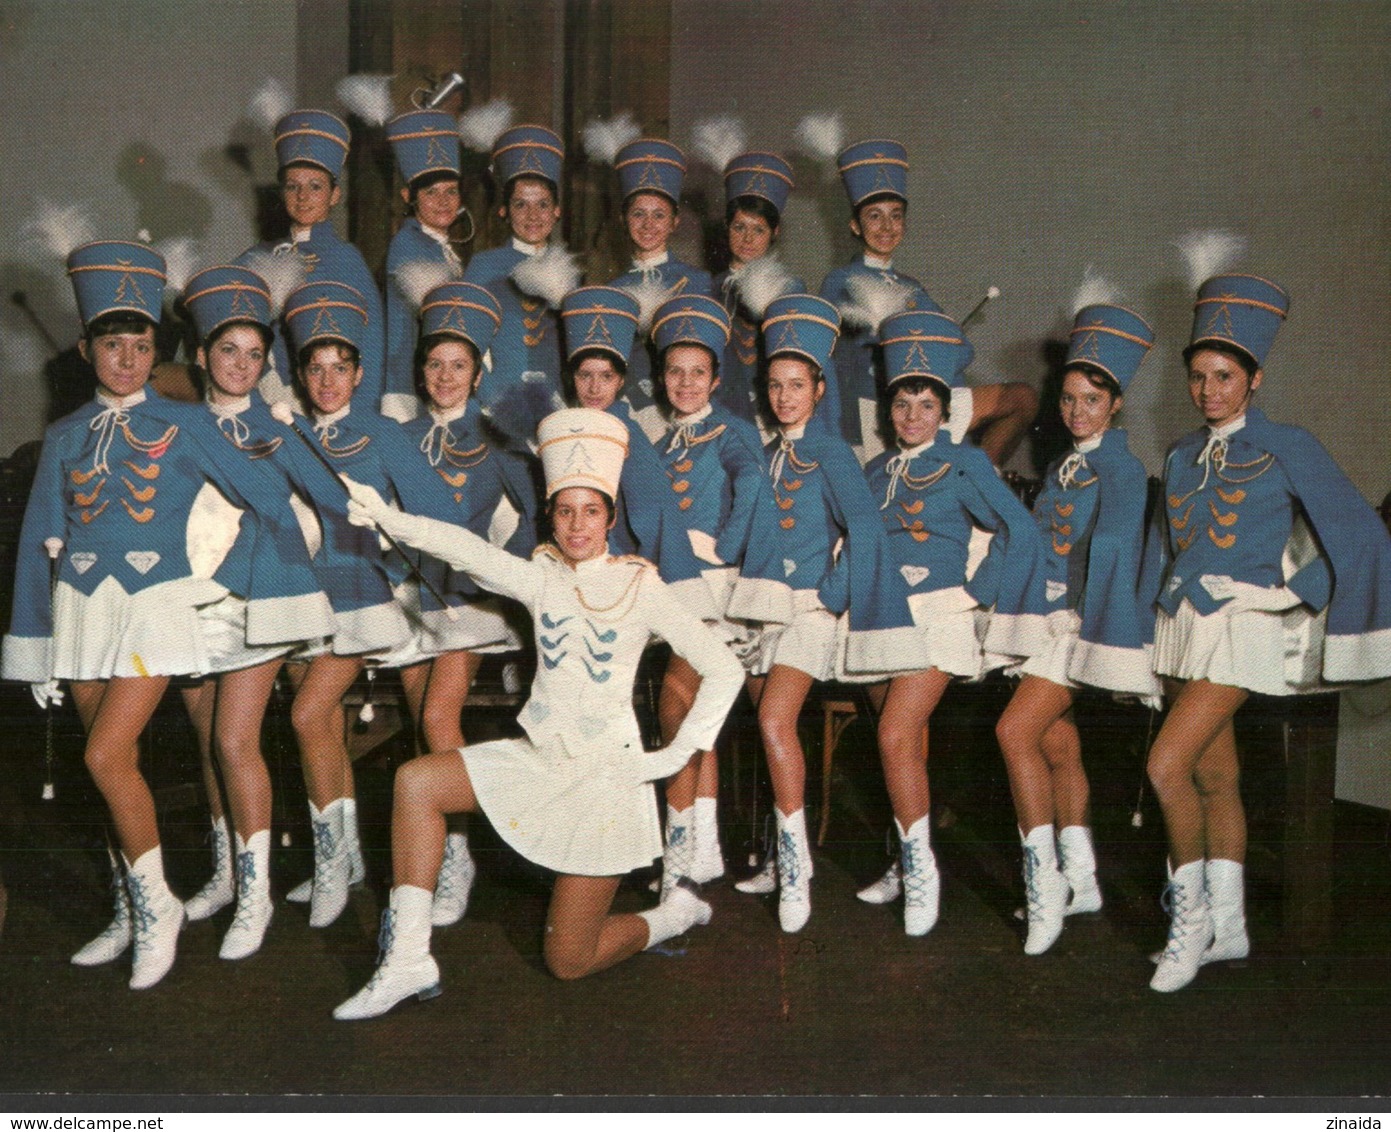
(319, 722)
(451, 677)
(679, 687)
(119, 713)
(427, 789)
(415, 679)
(1199, 721)
(581, 936)
(200, 700)
(1218, 778)
(908, 705)
(1036, 706)
(1001, 415)
(784, 693)
(1062, 747)
(241, 708)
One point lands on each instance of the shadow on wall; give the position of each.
(163, 208)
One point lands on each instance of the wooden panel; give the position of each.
(1311, 743)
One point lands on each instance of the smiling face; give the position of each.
(880, 226)
(581, 518)
(652, 220)
(598, 382)
(794, 388)
(1220, 388)
(437, 204)
(234, 362)
(451, 374)
(123, 361)
(330, 376)
(750, 237)
(531, 210)
(689, 378)
(309, 194)
(916, 416)
(1087, 407)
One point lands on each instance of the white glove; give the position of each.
(664, 762)
(1063, 623)
(367, 508)
(47, 692)
(1243, 597)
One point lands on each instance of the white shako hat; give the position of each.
(582, 448)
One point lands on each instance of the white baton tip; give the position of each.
(54, 546)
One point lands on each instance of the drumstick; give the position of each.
(54, 547)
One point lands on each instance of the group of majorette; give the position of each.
(664, 513)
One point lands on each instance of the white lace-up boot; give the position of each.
(116, 936)
(1190, 928)
(680, 910)
(708, 862)
(794, 871)
(157, 917)
(1226, 894)
(1078, 862)
(332, 865)
(405, 967)
(220, 890)
(254, 907)
(455, 883)
(922, 885)
(1045, 888)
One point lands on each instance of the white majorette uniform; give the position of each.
(572, 796)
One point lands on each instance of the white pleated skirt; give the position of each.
(156, 632)
(1241, 650)
(223, 624)
(583, 815)
(809, 644)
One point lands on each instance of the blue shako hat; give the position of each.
(1244, 311)
(651, 165)
(600, 318)
(763, 175)
(805, 325)
(870, 168)
(226, 294)
(463, 310)
(532, 151)
(424, 142)
(1110, 339)
(924, 344)
(112, 275)
(696, 320)
(326, 312)
(312, 137)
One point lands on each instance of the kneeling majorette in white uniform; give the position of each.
(1248, 602)
(714, 479)
(575, 795)
(461, 473)
(1091, 522)
(819, 500)
(111, 510)
(932, 496)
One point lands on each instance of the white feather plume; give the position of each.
(481, 126)
(181, 255)
(367, 96)
(1094, 288)
(57, 230)
(419, 277)
(872, 299)
(604, 137)
(1209, 252)
(270, 103)
(760, 282)
(650, 294)
(821, 135)
(283, 274)
(720, 140)
(550, 275)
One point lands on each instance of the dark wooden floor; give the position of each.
(850, 1006)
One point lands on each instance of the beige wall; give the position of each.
(1046, 136)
